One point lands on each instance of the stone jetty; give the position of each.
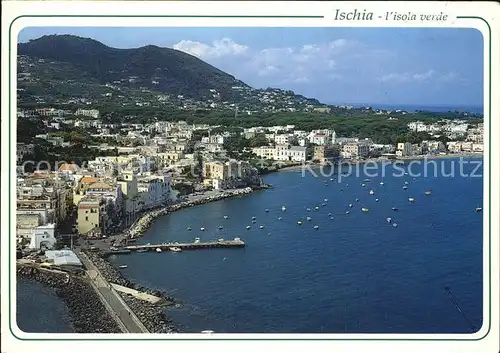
(88, 313)
(151, 315)
(145, 221)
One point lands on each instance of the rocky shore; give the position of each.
(88, 313)
(145, 221)
(151, 315)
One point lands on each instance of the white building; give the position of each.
(282, 153)
(43, 236)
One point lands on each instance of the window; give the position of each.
(87, 218)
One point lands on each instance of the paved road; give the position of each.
(120, 309)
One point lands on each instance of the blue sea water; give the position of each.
(40, 310)
(355, 274)
(477, 109)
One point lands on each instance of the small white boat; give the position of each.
(208, 331)
(220, 240)
(406, 183)
(350, 205)
(248, 227)
(405, 187)
(299, 223)
(381, 183)
(188, 228)
(221, 227)
(316, 227)
(308, 218)
(347, 212)
(308, 209)
(266, 210)
(479, 209)
(254, 217)
(261, 227)
(363, 185)
(331, 179)
(280, 218)
(331, 218)
(122, 266)
(326, 200)
(316, 208)
(202, 229)
(158, 250)
(323, 204)
(428, 192)
(254, 221)
(372, 192)
(196, 240)
(226, 217)
(394, 208)
(357, 200)
(175, 249)
(283, 208)
(394, 225)
(329, 214)
(367, 180)
(411, 199)
(364, 209)
(346, 185)
(268, 234)
(376, 200)
(388, 219)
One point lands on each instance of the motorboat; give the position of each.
(122, 266)
(188, 228)
(220, 240)
(280, 218)
(329, 214)
(202, 229)
(283, 208)
(158, 250)
(479, 209)
(381, 183)
(308, 218)
(308, 209)
(326, 200)
(376, 200)
(347, 212)
(405, 187)
(406, 183)
(364, 209)
(261, 227)
(316, 208)
(428, 192)
(350, 205)
(196, 240)
(363, 185)
(357, 200)
(394, 225)
(394, 208)
(266, 210)
(372, 192)
(175, 249)
(207, 331)
(331, 218)
(254, 218)
(221, 227)
(388, 219)
(248, 227)
(411, 199)
(316, 227)
(254, 221)
(299, 223)
(226, 217)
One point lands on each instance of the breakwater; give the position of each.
(145, 221)
(152, 316)
(88, 314)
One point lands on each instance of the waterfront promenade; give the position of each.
(125, 317)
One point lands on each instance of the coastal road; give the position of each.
(120, 310)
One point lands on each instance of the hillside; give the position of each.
(67, 66)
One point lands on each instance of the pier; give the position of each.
(236, 243)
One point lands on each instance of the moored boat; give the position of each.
(428, 192)
(479, 209)
(122, 266)
(364, 209)
(175, 249)
(411, 199)
(158, 250)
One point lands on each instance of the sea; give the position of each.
(476, 109)
(358, 272)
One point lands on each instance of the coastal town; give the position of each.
(71, 215)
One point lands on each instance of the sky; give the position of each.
(385, 66)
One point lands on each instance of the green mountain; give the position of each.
(67, 66)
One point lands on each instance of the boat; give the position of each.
(237, 239)
(158, 250)
(347, 212)
(331, 179)
(367, 180)
(261, 227)
(376, 200)
(226, 217)
(405, 187)
(329, 214)
(372, 192)
(394, 208)
(394, 225)
(308, 218)
(411, 199)
(308, 209)
(364, 209)
(208, 331)
(188, 228)
(388, 219)
(406, 183)
(122, 266)
(363, 185)
(326, 200)
(316, 208)
(381, 183)
(196, 240)
(254, 221)
(331, 218)
(280, 218)
(357, 200)
(248, 227)
(254, 217)
(175, 249)
(283, 208)
(479, 209)
(316, 227)
(142, 250)
(427, 192)
(323, 204)
(220, 227)
(266, 210)
(268, 234)
(299, 223)
(350, 205)
(221, 240)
